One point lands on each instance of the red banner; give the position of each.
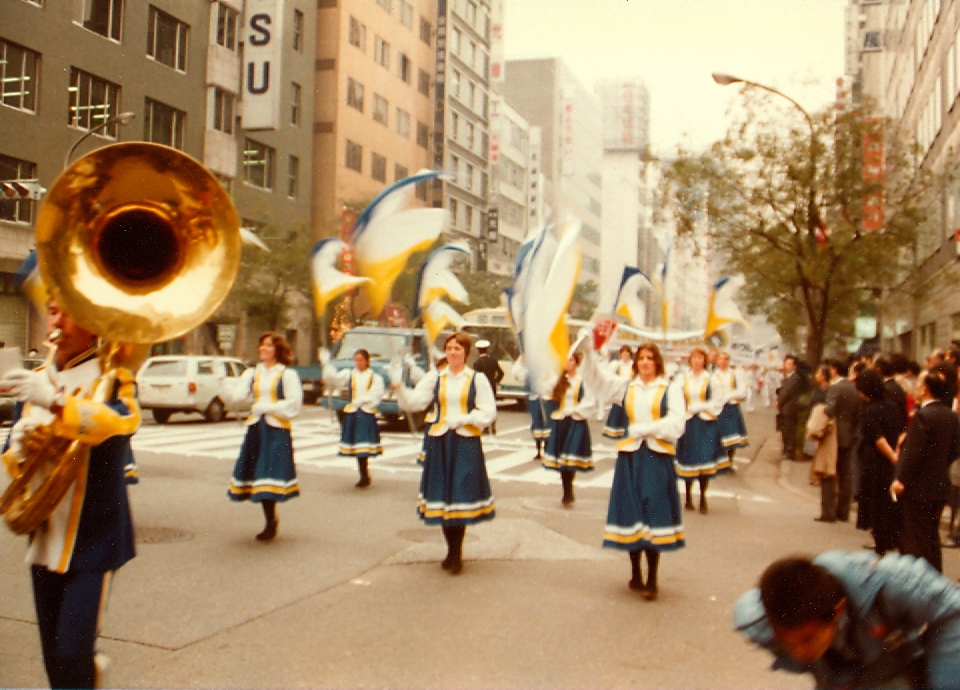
(873, 175)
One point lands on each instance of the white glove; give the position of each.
(409, 361)
(395, 372)
(261, 408)
(34, 387)
(638, 430)
(19, 430)
(695, 408)
(324, 356)
(455, 421)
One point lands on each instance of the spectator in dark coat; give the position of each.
(788, 397)
(922, 474)
(488, 365)
(843, 406)
(894, 391)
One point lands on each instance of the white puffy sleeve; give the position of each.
(604, 385)
(420, 397)
(715, 400)
(670, 427)
(289, 407)
(486, 405)
(237, 389)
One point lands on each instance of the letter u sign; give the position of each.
(263, 80)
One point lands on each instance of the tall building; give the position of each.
(510, 164)
(548, 95)
(461, 119)
(375, 64)
(68, 68)
(911, 66)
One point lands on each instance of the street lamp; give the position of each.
(813, 218)
(122, 118)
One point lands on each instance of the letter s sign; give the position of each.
(262, 79)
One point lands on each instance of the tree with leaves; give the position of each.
(784, 200)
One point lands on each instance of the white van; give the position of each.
(187, 383)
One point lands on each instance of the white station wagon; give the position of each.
(188, 383)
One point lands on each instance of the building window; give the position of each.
(298, 31)
(355, 94)
(400, 173)
(484, 184)
(354, 156)
(223, 102)
(406, 14)
(387, 5)
(259, 161)
(457, 40)
(472, 13)
(468, 218)
(163, 124)
(227, 26)
(403, 123)
(380, 109)
(404, 68)
(93, 101)
(381, 53)
(167, 40)
(455, 165)
(455, 83)
(471, 135)
(486, 105)
(468, 178)
(293, 181)
(421, 190)
(423, 135)
(295, 104)
(102, 17)
(225, 181)
(423, 82)
(454, 126)
(16, 210)
(426, 30)
(454, 212)
(378, 167)
(472, 95)
(485, 145)
(19, 68)
(358, 34)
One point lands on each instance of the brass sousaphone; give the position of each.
(139, 244)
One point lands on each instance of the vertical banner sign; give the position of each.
(873, 175)
(439, 91)
(348, 219)
(567, 149)
(497, 62)
(262, 82)
(494, 129)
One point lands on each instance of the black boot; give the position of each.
(454, 560)
(688, 505)
(270, 513)
(567, 479)
(364, 473)
(636, 581)
(539, 455)
(703, 495)
(730, 453)
(653, 562)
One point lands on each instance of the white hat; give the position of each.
(483, 344)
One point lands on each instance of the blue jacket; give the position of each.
(898, 609)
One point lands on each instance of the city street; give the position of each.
(351, 593)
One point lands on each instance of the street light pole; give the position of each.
(122, 118)
(813, 218)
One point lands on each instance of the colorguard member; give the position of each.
(733, 431)
(568, 448)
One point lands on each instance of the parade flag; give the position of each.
(248, 236)
(438, 315)
(436, 280)
(516, 294)
(628, 302)
(328, 282)
(722, 310)
(551, 277)
(386, 235)
(28, 281)
(663, 287)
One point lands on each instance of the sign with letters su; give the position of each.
(262, 61)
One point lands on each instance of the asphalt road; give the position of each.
(351, 593)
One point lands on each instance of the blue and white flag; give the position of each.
(328, 282)
(628, 302)
(722, 309)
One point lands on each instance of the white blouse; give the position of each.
(421, 397)
(733, 386)
(369, 390)
(280, 412)
(569, 407)
(694, 388)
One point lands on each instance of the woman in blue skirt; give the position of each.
(359, 433)
(644, 514)
(615, 424)
(265, 472)
(568, 448)
(699, 454)
(733, 430)
(539, 408)
(454, 489)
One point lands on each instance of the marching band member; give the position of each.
(538, 408)
(568, 448)
(89, 534)
(733, 431)
(644, 512)
(359, 433)
(699, 454)
(454, 489)
(265, 472)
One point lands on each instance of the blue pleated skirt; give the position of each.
(540, 411)
(699, 453)
(568, 448)
(454, 488)
(617, 422)
(644, 511)
(733, 430)
(359, 435)
(265, 469)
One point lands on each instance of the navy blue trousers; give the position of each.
(68, 616)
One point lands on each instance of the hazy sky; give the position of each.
(793, 45)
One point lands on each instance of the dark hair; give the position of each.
(941, 381)
(465, 342)
(884, 366)
(794, 591)
(840, 366)
(899, 362)
(824, 371)
(792, 358)
(698, 351)
(626, 348)
(657, 357)
(283, 353)
(859, 366)
(563, 383)
(363, 353)
(953, 355)
(913, 368)
(870, 383)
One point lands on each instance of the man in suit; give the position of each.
(788, 395)
(487, 365)
(843, 406)
(921, 478)
(893, 390)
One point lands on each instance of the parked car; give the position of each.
(188, 383)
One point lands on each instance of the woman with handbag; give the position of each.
(822, 434)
